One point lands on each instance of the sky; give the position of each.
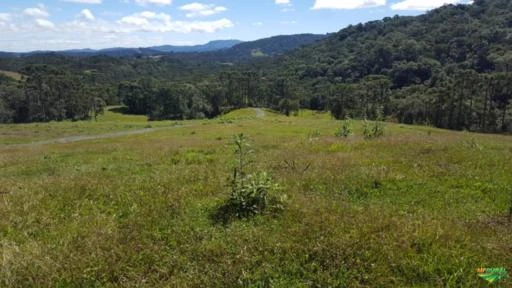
(96, 24)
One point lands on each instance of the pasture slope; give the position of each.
(13, 75)
(418, 207)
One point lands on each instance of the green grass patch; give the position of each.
(417, 207)
(258, 53)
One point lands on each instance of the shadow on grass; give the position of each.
(119, 110)
(224, 214)
(230, 211)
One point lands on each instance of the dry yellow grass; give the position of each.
(13, 75)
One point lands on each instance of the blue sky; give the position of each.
(74, 24)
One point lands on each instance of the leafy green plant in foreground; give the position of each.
(251, 193)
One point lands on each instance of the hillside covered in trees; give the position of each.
(450, 68)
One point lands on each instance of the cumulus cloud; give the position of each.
(87, 14)
(423, 5)
(201, 10)
(134, 20)
(160, 22)
(146, 19)
(7, 23)
(347, 4)
(156, 2)
(41, 32)
(202, 26)
(36, 12)
(84, 1)
(43, 23)
(5, 17)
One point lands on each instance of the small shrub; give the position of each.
(251, 193)
(252, 196)
(373, 129)
(346, 129)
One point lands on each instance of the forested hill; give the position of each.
(460, 52)
(477, 37)
(273, 45)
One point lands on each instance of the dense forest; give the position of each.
(47, 94)
(451, 68)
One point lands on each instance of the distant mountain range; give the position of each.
(120, 51)
(261, 48)
(225, 48)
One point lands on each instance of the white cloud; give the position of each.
(156, 2)
(43, 23)
(84, 1)
(36, 12)
(286, 4)
(202, 10)
(87, 14)
(283, 2)
(148, 21)
(202, 26)
(134, 21)
(5, 23)
(347, 4)
(423, 5)
(4, 17)
(33, 29)
(259, 24)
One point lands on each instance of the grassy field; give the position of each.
(109, 122)
(13, 75)
(418, 207)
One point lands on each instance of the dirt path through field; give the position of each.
(71, 139)
(260, 113)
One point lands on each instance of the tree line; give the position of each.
(208, 98)
(454, 99)
(467, 101)
(47, 94)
